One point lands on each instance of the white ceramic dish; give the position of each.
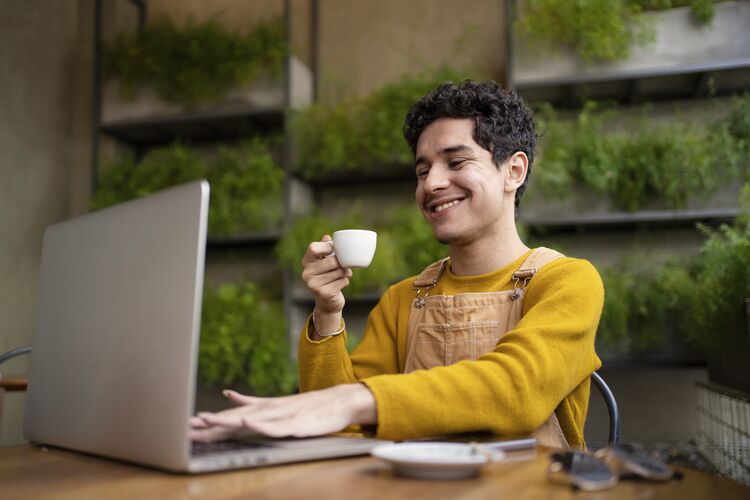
(436, 460)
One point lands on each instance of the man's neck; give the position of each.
(488, 253)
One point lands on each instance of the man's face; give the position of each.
(459, 188)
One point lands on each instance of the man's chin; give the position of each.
(447, 238)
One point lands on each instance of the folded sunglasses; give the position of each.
(601, 470)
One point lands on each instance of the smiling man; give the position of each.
(496, 337)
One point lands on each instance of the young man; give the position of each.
(496, 337)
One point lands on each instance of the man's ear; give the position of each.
(518, 167)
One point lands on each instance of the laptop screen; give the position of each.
(117, 325)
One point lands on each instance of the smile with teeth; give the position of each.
(442, 207)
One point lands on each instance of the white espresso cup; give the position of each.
(354, 247)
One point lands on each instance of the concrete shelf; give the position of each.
(270, 237)
(195, 127)
(364, 176)
(258, 108)
(632, 220)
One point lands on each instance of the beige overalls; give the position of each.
(445, 329)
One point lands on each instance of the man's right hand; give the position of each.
(325, 278)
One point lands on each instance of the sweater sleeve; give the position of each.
(516, 387)
(327, 363)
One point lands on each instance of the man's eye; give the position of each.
(422, 173)
(456, 163)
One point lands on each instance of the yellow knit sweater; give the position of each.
(541, 365)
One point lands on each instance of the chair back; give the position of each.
(614, 412)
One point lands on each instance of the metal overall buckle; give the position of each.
(525, 275)
(420, 301)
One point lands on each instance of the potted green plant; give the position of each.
(165, 70)
(644, 313)
(588, 164)
(246, 183)
(246, 190)
(719, 313)
(243, 342)
(559, 40)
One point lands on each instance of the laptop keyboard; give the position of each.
(199, 449)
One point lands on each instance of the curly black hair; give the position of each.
(503, 123)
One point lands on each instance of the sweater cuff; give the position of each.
(390, 426)
(307, 331)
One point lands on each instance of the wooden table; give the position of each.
(39, 473)
(16, 384)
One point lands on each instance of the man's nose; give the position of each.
(437, 178)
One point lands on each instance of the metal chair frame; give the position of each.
(614, 412)
(13, 353)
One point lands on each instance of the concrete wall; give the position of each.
(45, 105)
(367, 43)
(237, 15)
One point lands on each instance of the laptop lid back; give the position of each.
(115, 346)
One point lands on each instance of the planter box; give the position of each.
(266, 93)
(729, 365)
(682, 47)
(585, 205)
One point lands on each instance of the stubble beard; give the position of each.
(449, 238)
(445, 241)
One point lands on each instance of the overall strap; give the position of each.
(428, 279)
(431, 274)
(538, 258)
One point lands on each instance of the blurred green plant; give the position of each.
(125, 179)
(702, 300)
(599, 30)
(243, 341)
(361, 134)
(612, 335)
(670, 162)
(702, 10)
(722, 280)
(738, 124)
(644, 308)
(195, 63)
(247, 187)
(414, 239)
(596, 30)
(246, 183)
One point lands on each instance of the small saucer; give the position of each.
(436, 460)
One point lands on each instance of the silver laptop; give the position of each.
(115, 349)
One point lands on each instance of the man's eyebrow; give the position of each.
(458, 148)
